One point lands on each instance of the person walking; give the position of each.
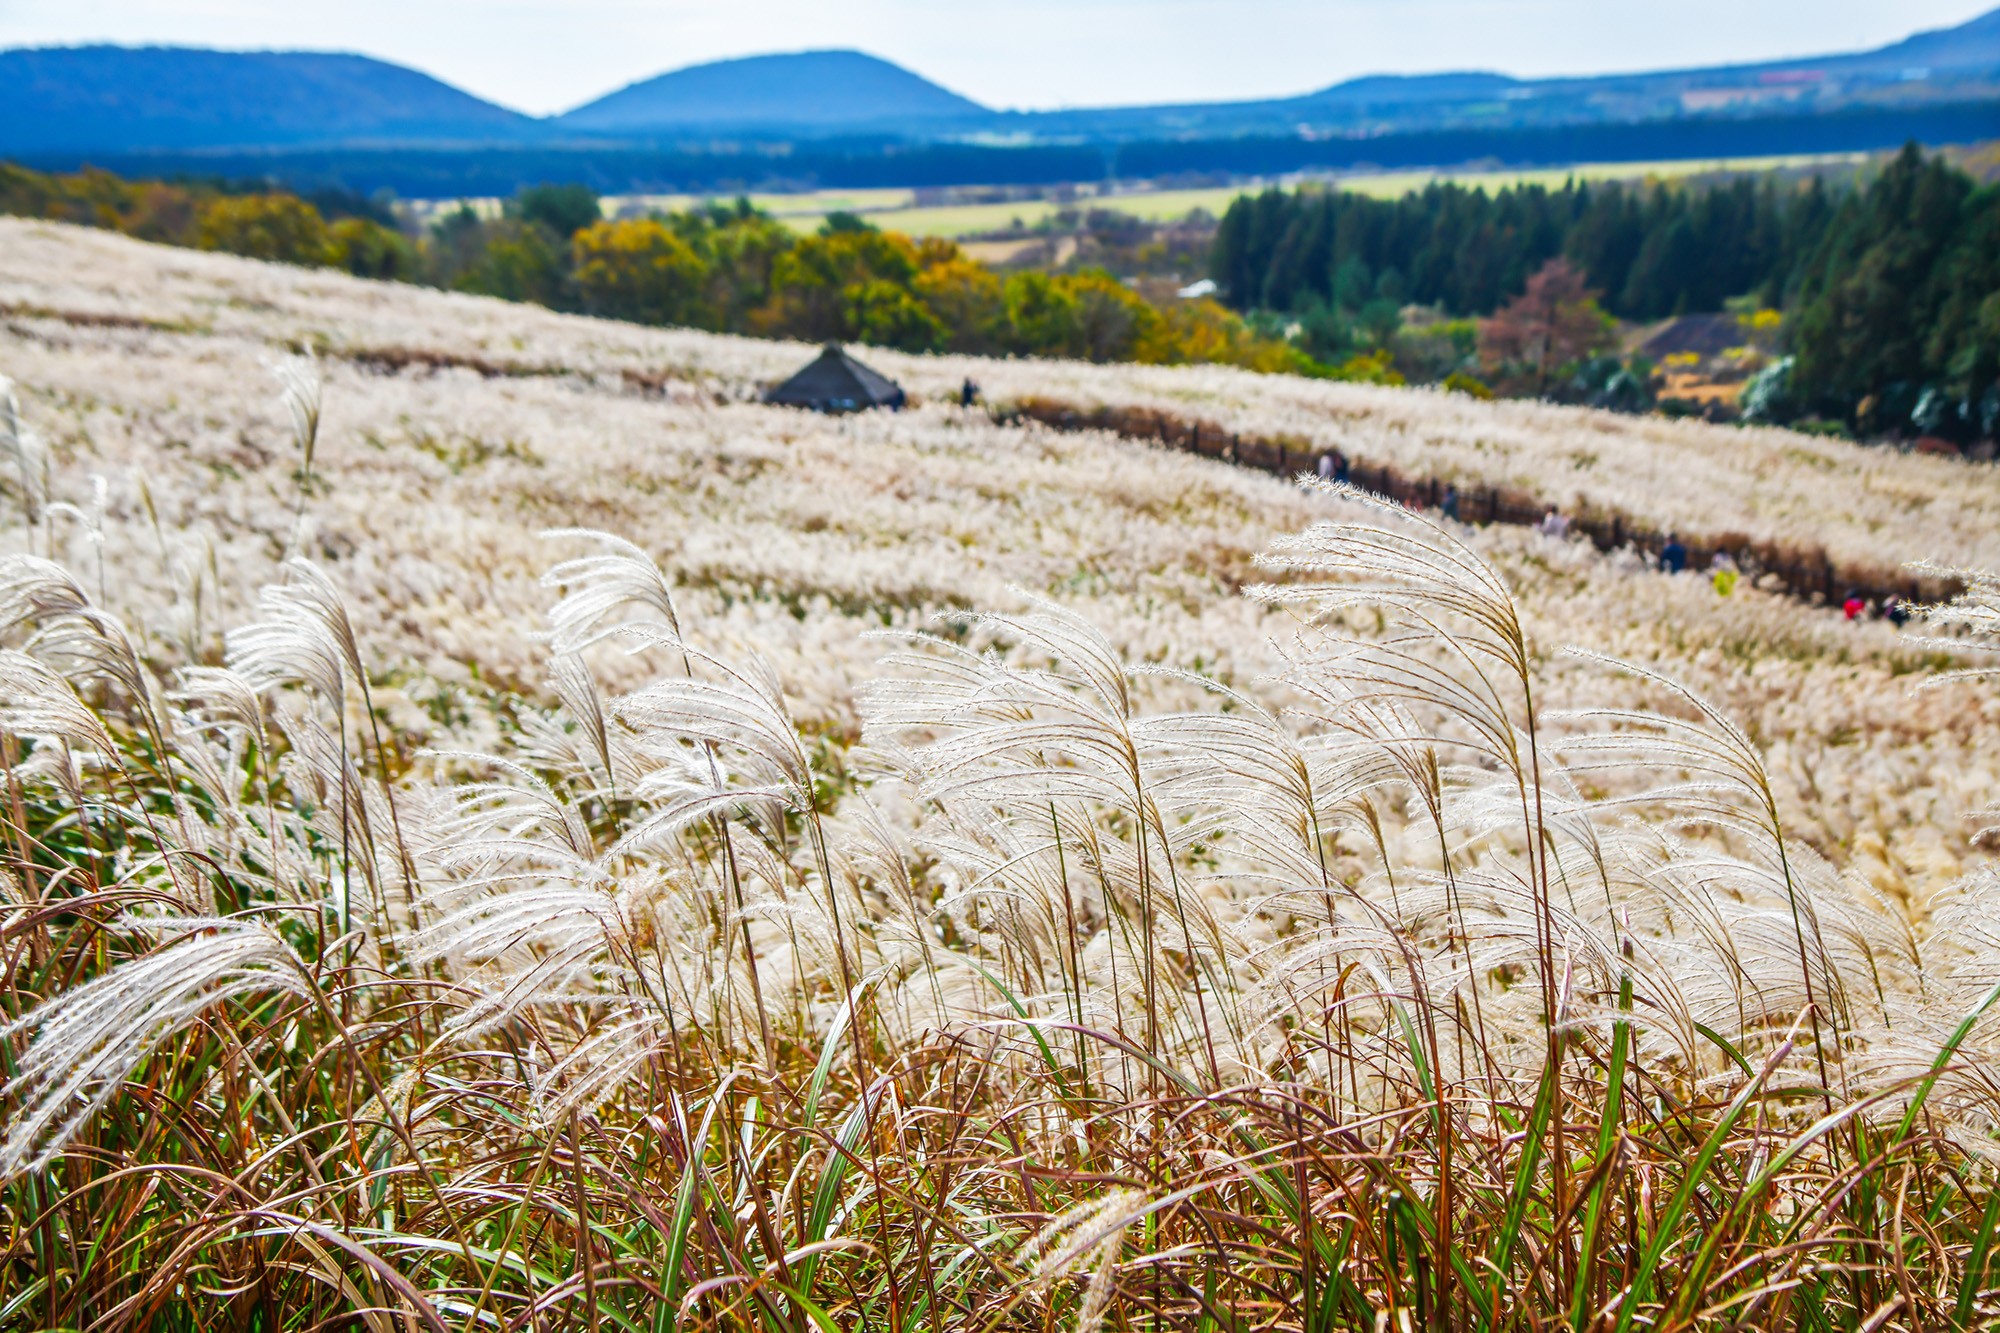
(968, 393)
(1673, 556)
(1722, 573)
(1449, 505)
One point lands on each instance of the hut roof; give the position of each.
(836, 382)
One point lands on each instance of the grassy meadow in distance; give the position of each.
(506, 830)
(899, 210)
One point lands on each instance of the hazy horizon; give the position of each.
(542, 57)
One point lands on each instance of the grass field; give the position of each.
(898, 210)
(505, 830)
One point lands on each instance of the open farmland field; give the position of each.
(1395, 184)
(468, 926)
(898, 210)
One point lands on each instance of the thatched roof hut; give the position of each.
(836, 382)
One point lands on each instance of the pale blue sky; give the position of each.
(548, 55)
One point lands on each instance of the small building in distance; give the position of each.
(836, 382)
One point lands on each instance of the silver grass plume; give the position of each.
(39, 704)
(304, 636)
(86, 1042)
(68, 630)
(24, 449)
(299, 388)
(1087, 1238)
(617, 575)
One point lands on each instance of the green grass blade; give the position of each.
(1607, 1139)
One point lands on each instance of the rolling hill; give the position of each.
(82, 98)
(806, 92)
(849, 119)
(640, 786)
(1952, 64)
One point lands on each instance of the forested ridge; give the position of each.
(1868, 306)
(721, 267)
(1890, 290)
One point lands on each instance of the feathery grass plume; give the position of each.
(86, 1041)
(69, 630)
(299, 391)
(304, 637)
(1724, 781)
(38, 704)
(1042, 738)
(25, 451)
(1087, 1238)
(617, 575)
(1126, 896)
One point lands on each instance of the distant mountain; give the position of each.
(1958, 64)
(243, 112)
(812, 92)
(1974, 44)
(80, 98)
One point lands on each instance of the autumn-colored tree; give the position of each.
(883, 314)
(1202, 331)
(1042, 317)
(814, 283)
(1554, 322)
(967, 300)
(638, 269)
(1114, 322)
(278, 227)
(161, 212)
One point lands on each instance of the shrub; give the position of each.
(1469, 385)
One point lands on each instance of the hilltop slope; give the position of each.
(60, 99)
(455, 428)
(811, 92)
(61, 103)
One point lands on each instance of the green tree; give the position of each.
(564, 210)
(885, 315)
(740, 245)
(813, 282)
(368, 249)
(1882, 288)
(519, 261)
(840, 220)
(1042, 316)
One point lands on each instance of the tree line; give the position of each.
(721, 267)
(1889, 289)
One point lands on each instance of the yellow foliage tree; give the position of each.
(279, 227)
(638, 269)
(966, 298)
(370, 250)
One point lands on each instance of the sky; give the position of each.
(542, 56)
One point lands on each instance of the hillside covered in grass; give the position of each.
(918, 871)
